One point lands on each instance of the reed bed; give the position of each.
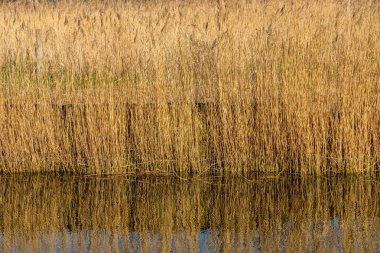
(161, 215)
(190, 87)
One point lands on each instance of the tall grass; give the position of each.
(191, 87)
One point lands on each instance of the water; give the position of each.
(119, 214)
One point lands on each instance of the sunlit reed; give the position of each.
(190, 87)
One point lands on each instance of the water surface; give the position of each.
(120, 214)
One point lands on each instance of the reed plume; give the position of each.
(191, 87)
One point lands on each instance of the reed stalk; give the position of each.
(191, 88)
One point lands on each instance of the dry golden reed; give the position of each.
(190, 87)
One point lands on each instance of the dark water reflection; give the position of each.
(72, 214)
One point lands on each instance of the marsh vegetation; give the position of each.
(190, 87)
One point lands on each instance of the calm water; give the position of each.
(73, 214)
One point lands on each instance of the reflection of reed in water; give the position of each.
(161, 215)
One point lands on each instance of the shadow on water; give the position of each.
(76, 214)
